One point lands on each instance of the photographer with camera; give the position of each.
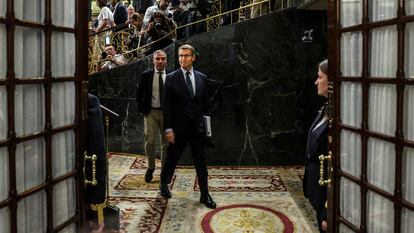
(112, 59)
(160, 30)
(162, 7)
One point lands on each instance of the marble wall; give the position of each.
(263, 99)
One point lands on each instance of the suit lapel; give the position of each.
(150, 80)
(313, 135)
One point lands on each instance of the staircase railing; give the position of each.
(119, 39)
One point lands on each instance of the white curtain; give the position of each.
(351, 54)
(382, 109)
(29, 109)
(351, 12)
(382, 9)
(63, 13)
(380, 214)
(63, 54)
(63, 104)
(29, 52)
(33, 10)
(64, 201)
(409, 48)
(351, 153)
(31, 213)
(30, 164)
(3, 51)
(4, 174)
(351, 104)
(383, 52)
(408, 174)
(409, 7)
(3, 113)
(344, 229)
(350, 203)
(63, 150)
(5, 220)
(409, 113)
(3, 8)
(381, 164)
(407, 221)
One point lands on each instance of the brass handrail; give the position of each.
(93, 63)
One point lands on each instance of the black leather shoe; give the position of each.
(208, 201)
(148, 175)
(165, 192)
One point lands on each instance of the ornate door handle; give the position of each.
(93, 158)
(322, 158)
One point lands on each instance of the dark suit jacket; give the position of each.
(317, 145)
(180, 110)
(120, 14)
(144, 92)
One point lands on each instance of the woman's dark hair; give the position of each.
(323, 66)
(102, 3)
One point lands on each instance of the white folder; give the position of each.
(207, 125)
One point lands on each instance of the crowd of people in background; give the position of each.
(153, 22)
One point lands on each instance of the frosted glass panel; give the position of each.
(382, 9)
(3, 113)
(380, 214)
(63, 54)
(64, 197)
(408, 174)
(351, 104)
(32, 213)
(381, 164)
(407, 221)
(409, 49)
(63, 151)
(409, 7)
(63, 13)
(351, 153)
(350, 201)
(3, 50)
(69, 229)
(5, 220)
(344, 229)
(383, 52)
(63, 104)
(33, 10)
(29, 52)
(409, 113)
(30, 164)
(351, 54)
(29, 109)
(4, 174)
(382, 109)
(351, 12)
(3, 8)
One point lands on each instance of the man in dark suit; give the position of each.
(317, 145)
(185, 103)
(119, 13)
(149, 100)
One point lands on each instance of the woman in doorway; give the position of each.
(317, 144)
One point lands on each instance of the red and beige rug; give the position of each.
(249, 199)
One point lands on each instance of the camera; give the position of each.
(157, 24)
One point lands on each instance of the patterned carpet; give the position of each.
(249, 199)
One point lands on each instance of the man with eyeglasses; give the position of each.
(185, 104)
(149, 100)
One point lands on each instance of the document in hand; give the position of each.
(207, 125)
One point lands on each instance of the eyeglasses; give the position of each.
(160, 58)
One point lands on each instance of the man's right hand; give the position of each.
(169, 136)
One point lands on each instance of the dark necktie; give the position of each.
(161, 87)
(189, 84)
